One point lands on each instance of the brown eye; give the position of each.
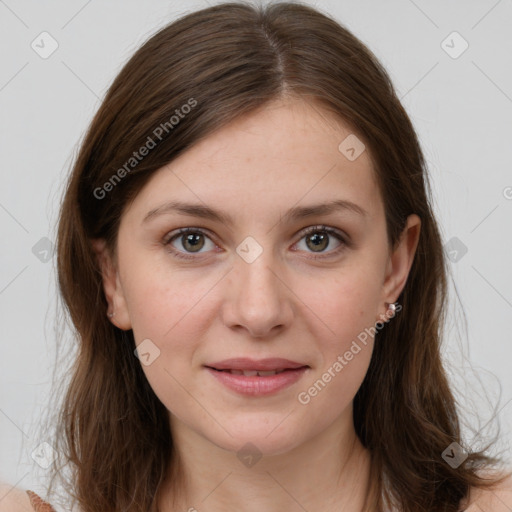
(187, 241)
(320, 238)
(318, 241)
(193, 242)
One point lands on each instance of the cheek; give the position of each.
(345, 309)
(344, 305)
(168, 311)
(171, 310)
(345, 343)
(162, 300)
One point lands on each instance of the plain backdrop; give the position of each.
(451, 65)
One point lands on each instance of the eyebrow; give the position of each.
(295, 213)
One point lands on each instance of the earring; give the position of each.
(392, 308)
(110, 315)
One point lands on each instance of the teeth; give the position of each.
(270, 372)
(253, 373)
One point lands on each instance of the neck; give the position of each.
(329, 472)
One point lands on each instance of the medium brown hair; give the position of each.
(231, 59)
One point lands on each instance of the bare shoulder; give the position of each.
(498, 499)
(14, 499)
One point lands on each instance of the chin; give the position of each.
(258, 438)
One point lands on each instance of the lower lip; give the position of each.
(258, 386)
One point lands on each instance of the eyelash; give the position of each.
(308, 231)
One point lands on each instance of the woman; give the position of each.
(248, 254)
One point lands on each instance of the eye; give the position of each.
(192, 240)
(318, 239)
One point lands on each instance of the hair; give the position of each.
(224, 62)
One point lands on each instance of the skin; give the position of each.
(283, 304)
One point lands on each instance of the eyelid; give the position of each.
(171, 235)
(322, 227)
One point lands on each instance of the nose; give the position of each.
(259, 299)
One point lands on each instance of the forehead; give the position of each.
(286, 153)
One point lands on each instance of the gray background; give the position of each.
(461, 108)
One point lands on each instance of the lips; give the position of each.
(258, 383)
(257, 377)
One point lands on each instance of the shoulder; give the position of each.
(14, 499)
(498, 499)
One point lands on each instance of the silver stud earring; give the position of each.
(392, 308)
(110, 315)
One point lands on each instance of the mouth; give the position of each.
(259, 373)
(245, 364)
(250, 377)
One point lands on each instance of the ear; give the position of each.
(112, 286)
(400, 260)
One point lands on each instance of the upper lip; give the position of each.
(244, 363)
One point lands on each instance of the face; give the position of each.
(269, 278)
